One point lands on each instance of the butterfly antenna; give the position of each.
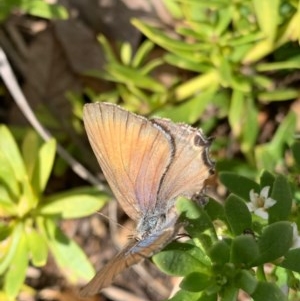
(112, 219)
(112, 222)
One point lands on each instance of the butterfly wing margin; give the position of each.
(132, 152)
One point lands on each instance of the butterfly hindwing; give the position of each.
(190, 165)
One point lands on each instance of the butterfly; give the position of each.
(147, 164)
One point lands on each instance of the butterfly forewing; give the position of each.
(132, 152)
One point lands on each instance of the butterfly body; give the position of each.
(148, 164)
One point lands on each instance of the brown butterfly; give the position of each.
(148, 164)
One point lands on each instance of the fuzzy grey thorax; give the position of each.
(156, 222)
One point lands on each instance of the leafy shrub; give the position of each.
(230, 56)
(229, 247)
(29, 218)
(38, 8)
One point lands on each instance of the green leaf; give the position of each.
(68, 255)
(7, 177)
(5, 232)
(268, 155)
(229, 293)
(267, 13)
(258, 51)
(284, 133)
(37, 247)
(246, 281)
(225, 72)
(142, 53)
(292, 63)
(180, 259)
(281, 192)
(222, 101)
(29, 199)
(187, 296)
(242, 83)
(266, 291)
(7, 206)
(30, 148)
(291, 260)
(185, 63)
(74, 203)
(10, 151)
(244, 250)
(132, 96)
(173, 8)
(296, 152)
(238, 215)
(225, 18)
(208, 297)
(198, 220)
(267, 179)
(264, 157)
(15, 276)
(270, 247)
(190, 50)
(43, 166)
(151, 65)
(264, 82)
(126, 53)
(196, 282)
(250, 127)
(196, 84)
(291, 30)
(12, 246)
(278, 95)
(220, 252)
(129, 76)
(215, 210)
(190, 110)
(42, 9)
(238, 185)
(235, 116)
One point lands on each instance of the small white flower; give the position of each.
(259, 203)
(296, 237)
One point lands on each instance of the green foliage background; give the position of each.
(231, 58)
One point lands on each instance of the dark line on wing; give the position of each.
(145, 168)
(173, 151)
(103, 139)
(121, 153)
(130, 127)
(144, 122)
(126, 172)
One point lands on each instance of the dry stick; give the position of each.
(12, 85)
